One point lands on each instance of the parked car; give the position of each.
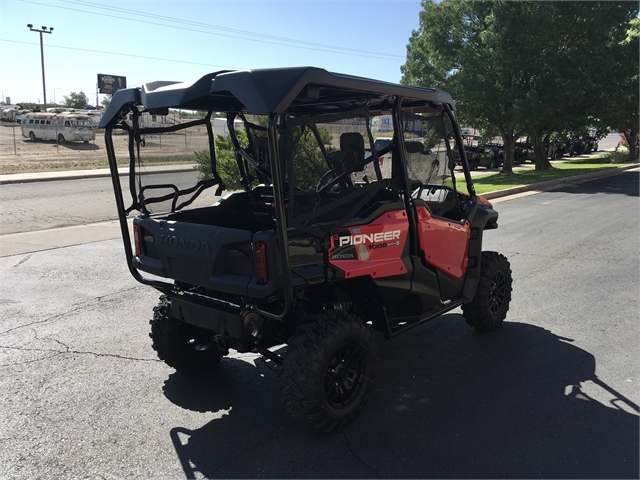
(584, 146)
(497, 150)
(522, 152)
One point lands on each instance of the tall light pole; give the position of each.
(43, 30)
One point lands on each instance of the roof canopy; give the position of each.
(276, 90)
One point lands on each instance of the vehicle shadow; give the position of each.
(77, 146)
(448, 403)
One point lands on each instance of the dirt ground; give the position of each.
(19, 154)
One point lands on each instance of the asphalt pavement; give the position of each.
(552, 394)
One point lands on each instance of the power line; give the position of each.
(226, 29)
(224, 67)
(264, 39)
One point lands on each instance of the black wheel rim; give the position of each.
(497, 292)
(345, 375)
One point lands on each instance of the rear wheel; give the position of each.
(328, 370)
(473, 165)
(490, 304)
(61, 138)
(32, 136)
(180, 345)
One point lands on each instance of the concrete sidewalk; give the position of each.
(7, 179)
(29, 242)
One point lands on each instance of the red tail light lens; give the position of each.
(380, 160)
(261, 257)
(136, 238)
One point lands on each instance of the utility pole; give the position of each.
(43, 30)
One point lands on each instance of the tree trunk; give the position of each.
(540, 150)
(631, 136)
(509, 142)
(509, 137)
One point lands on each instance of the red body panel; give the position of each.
(444, 244)
(374, 249)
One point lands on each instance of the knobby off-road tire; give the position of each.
(180, 345)
(490, 304)
(328, 370)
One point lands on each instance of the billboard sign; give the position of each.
(111, 83)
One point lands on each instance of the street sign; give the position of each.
(111, 83)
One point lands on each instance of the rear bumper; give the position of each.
(216, 316)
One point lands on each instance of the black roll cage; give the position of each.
(276, 175)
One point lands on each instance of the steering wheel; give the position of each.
(338, 179)
(324, 180)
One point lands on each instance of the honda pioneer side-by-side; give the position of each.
(299, 234)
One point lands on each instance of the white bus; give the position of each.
(65, 127)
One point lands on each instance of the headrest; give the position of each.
(353, 141)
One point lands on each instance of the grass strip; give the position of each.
(499, 181)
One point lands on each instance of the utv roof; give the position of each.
(274, 90)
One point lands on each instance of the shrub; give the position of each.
(226, 164)
(309, 161)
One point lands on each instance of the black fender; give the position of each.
(481, 217)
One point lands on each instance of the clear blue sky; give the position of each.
(183, 40)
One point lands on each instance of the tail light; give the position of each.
(380, 160)
(261, 257)
(136, 238)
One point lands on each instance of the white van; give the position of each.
(65, 127)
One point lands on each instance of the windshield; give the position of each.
(427, 147)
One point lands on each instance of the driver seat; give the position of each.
(353, 144)
(350, 157)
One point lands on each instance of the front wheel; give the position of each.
(180, 345)
(61, 138)
(490, 304)
(328, 370)
(32, 136)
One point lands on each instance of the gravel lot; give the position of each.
(23, 155)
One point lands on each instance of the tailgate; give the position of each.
(214, 257)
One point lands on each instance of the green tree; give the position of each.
(106, 100)
(75, 100)
(461, 47)
(575, 69)
(620, 104)
(517, 66)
